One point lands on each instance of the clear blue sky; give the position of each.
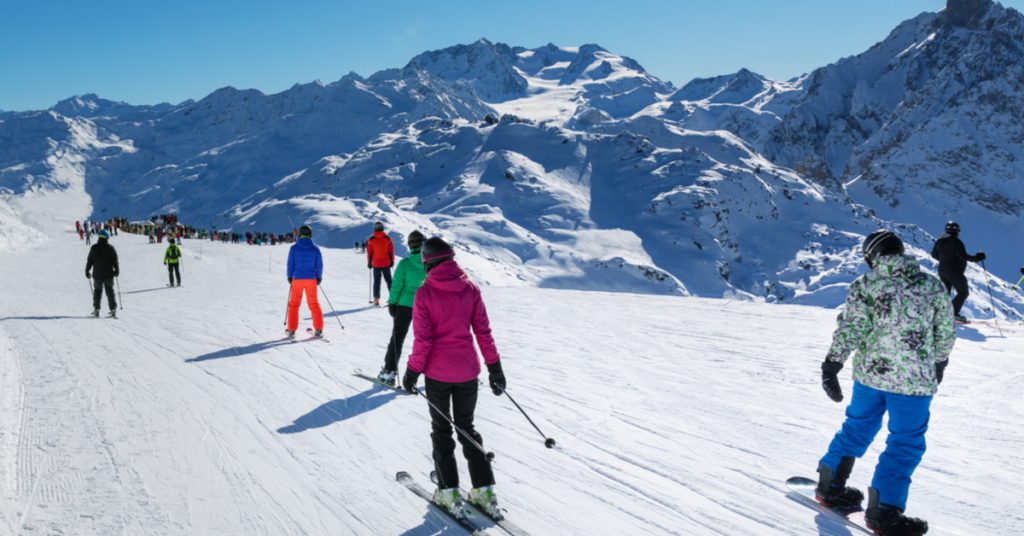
(149, 51)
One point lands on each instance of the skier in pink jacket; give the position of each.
(446, 308)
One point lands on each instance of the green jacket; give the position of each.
(408, 277)
(899, 321)
(177, 256)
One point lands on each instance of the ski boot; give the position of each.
(450, 500)
(318, 333)
(113, 313)
(387, 377)
(888, 520)
(95, 313)
(290, 333)
(961, 319)
(832, 490)
(484, 499)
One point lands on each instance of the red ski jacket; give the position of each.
(380, 251)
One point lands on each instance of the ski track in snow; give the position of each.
(190, 415)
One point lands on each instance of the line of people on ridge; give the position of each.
(446, 310)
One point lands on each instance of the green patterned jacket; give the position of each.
(899, 321)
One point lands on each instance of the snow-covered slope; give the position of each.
(190, 415)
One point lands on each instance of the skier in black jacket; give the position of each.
(953, 257)
(102, 263)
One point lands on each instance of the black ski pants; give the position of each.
(959, 283)
(377, 273)
(173, 270)
(98, 286)
(403, 319)
(458, 399)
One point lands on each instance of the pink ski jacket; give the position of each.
(445, 308)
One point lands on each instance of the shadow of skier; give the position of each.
(238, 351)
(44, 318)
(342, 409)
(146, 290)
(433, 523)
(970, 333)
(348, 311)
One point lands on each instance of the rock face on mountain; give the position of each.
(921, 127)
(574, 167)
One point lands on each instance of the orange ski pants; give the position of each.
(295, 299)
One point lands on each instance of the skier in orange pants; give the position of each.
(305, 271)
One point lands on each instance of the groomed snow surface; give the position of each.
(190, 415)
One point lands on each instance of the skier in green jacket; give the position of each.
(172, 259)
(407, 280)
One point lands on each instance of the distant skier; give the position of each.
(380, 257)
(102, 263)
(897, 320)
(408, 277)
(78, 228)
(172, 259)
(88, 234)
(447, 306)
(953, 257)
(305, 271)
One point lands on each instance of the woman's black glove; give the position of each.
(496, 378)
(410, 379)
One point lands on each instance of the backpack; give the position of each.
(172, 253)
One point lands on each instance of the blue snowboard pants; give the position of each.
(908, 421)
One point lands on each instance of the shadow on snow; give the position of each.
(342, 409)
(44, 318)
(238, 351)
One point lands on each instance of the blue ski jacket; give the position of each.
(305, 260)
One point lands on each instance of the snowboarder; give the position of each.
(446, 307)
(305, 271)
(897, 320)
(408, 277)
(953, 257)
(102, 263)
(380, 257)
(172, 259)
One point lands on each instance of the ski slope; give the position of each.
(673, 415)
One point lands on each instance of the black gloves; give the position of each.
(980, 256)
(940, 369)
(87, 276)
(496, 378)
(369, 266)
(318, 280)
(289, 281)
(830, 380)
(117, 273)
(392, 309)
(410, 379)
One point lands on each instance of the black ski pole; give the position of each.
(333, 312)
(992, 301)
(369, 284)
(548, 442)
(117, 281)
(463, 433)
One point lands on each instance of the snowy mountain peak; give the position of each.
(967, 13)
(488, 66)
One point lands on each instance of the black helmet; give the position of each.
(435, 251)
(879, 243)
(378, 226)
(415, 240)
(953, 227)
(305, 232)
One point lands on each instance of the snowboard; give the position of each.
(801, 490)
